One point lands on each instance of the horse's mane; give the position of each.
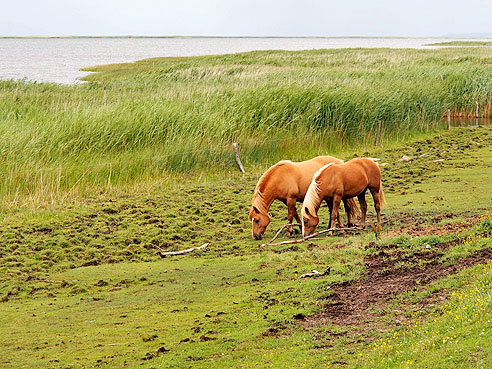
(258, 200)
(312, 200)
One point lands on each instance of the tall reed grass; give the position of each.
(176, 115)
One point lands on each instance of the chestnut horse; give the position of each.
(336, 182)
(288, 182)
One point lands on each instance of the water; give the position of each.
(60, 59)
(468, 121)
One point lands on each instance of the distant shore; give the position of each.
(241, 37)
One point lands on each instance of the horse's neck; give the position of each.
(265, 195)
(266, 200)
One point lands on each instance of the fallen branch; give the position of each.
(280, 231)
(310, 236)
(315, 273)
(172, 253)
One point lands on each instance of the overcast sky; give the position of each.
(245, 17)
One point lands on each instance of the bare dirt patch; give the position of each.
(388, 274)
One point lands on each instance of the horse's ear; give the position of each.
(255, 209)
(306, 210)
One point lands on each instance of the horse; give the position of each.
(287, 182)
(335, 182)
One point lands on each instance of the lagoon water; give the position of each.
(59, 60)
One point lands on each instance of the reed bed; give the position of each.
(142, 120)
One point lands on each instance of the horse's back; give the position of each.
(292, 179)
(370, 166)
(280, 179)
(276, 173)
(364, 166)
(350, 178)
(309, 167)
(319, 161)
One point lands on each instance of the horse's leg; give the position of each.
(339, 220)
(347, 211)
(292, 213)
(334, 213)
(363, 208)
(329, 202)
(298, 219)
(377, 206)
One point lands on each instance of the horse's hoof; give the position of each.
(330, 233)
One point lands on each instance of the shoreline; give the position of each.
(245, 37)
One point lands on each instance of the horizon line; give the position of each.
(254, 37)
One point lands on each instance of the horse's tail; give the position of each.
(353, 209)
(382, 200)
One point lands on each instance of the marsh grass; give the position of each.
(139, 121)
(462, 43)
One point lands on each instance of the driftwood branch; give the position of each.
(280, 231)
(310, 236)
(315, 273)
(172, 253)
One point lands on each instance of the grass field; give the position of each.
(84, 287)
(99, 178)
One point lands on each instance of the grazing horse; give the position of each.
(336, 182)
(288, 182)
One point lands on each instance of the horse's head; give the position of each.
(309, 222)
(259, 221)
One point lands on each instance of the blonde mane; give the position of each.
(258, 201)
(312, 200)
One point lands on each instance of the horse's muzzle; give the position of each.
(258, 236)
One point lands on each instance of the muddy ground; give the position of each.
(390, 272)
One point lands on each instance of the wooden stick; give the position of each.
(238, 160)
(280, 231)
(172, 253)
(315, 273)
(477, 116)
(378, 132)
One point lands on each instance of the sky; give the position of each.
(418, 18)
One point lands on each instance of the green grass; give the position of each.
(176, 300)
(234, 305)
(144, 120)
(131, 224)
(455, 335)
